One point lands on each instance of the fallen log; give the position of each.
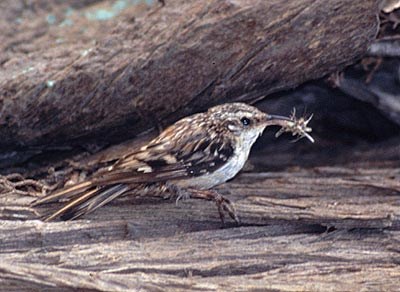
(60, 84)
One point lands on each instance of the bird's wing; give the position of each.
(191, 155)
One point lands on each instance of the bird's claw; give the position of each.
(223, 204)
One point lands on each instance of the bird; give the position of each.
(186, 160)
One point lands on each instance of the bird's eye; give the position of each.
(245, 121)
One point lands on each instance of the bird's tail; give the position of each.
(85, 199)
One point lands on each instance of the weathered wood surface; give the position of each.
(60, 82)
(317, 228)
(213, 261)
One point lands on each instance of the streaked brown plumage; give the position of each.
(187, 159)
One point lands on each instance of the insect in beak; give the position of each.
(297, 126)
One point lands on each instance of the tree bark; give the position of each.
(62, 84)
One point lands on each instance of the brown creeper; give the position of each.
(187, 159)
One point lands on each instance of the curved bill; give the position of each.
(275, 120)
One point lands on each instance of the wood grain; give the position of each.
(325, 228)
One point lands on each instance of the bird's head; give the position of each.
(248, 122)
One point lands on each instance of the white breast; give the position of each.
(227, 171)
(221, 175)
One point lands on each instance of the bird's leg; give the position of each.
(175, 191)
(223, 204)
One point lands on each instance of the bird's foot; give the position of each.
(223, 204)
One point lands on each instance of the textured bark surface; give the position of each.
(332, 227)
(65, 76)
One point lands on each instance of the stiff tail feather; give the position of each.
(88, 201)
(87, 196)
(110, 179)
(64, 193)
